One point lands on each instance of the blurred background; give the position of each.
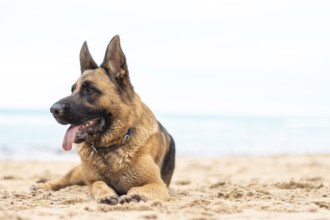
(227, 77)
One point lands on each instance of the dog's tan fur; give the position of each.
(131, 172)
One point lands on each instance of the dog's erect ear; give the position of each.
(115, 63)
(86, 60)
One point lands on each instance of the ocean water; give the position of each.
(34, 134)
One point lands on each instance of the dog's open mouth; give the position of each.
(79, 133)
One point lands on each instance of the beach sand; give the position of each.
(269, 187)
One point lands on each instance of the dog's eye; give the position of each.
(89, 89)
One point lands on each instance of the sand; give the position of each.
(271, 187)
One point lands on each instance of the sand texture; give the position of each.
(277, 187)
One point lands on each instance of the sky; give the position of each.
(221, 57)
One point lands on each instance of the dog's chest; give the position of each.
(117, 171)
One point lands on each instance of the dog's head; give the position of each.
(99, 97)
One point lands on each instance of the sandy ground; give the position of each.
(277, 187)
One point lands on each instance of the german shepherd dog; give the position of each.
(126, 154)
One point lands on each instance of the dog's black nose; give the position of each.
(58, 109)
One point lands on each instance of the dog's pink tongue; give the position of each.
(69, 137)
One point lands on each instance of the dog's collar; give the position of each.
(124, 141)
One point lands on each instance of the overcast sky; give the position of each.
(191, 57)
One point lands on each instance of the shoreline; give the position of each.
(228, 187)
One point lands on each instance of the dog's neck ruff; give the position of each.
(124, 141)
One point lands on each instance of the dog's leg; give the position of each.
(154, 188)
(74, 177)
(102, 193)
(146, 192)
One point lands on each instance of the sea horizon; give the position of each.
(34, 134)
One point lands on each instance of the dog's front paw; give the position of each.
(131, 198)
(110, 200)
(40, 186)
